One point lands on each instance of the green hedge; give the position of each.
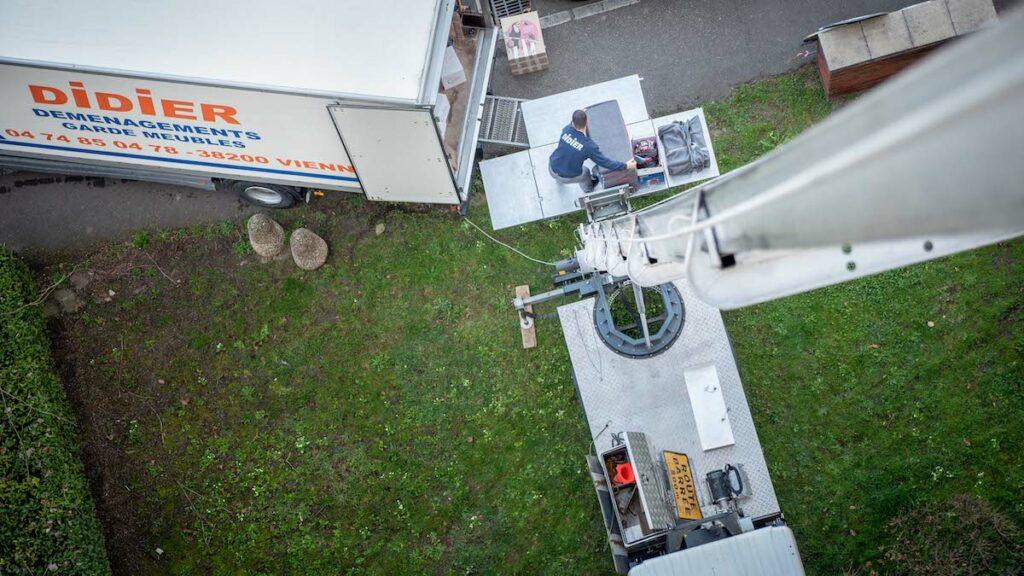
(48, 524)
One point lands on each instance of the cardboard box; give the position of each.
(524, 43)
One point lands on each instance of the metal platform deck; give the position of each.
(651, 396)
(518, 186)
(545, 117)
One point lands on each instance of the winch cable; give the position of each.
(512, 248)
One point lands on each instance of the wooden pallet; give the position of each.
(534, 63)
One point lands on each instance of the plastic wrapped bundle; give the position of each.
(685, 146)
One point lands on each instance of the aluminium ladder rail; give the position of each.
(503, 8)
(925, 165)
(502, 123)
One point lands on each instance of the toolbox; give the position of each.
(642, 507)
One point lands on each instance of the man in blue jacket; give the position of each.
(575, 146)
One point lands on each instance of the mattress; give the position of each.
(607, 129)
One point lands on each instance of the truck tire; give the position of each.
(265, 195)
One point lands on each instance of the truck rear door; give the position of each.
(397, 153)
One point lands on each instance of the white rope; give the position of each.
(512, 248)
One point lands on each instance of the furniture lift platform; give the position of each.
(518, 186)
(673, 398)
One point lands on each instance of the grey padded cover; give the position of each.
(685, 146)
(608, 130)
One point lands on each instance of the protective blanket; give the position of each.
(685, 146)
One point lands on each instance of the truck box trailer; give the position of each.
(270, 99)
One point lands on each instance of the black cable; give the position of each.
(739, 479)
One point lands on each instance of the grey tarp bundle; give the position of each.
(685, 148)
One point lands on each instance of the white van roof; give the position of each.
(768, 551)
(377, 49)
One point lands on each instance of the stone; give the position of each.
(844, 46)
(928, 22)
(81, 279)
(971, 15)
(67, 300)
(51, 309)
(308, 250)
(265, 235)
(378, 229)
(887, 35)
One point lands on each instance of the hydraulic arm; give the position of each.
(928, 164)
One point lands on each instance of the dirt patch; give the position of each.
(964, 536)
(113, 398)
(145, 308)
(1009, 318)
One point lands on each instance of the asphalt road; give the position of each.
(43, 213)
(687, 51)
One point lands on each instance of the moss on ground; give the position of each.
(47, 520)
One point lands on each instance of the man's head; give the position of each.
(579, 120)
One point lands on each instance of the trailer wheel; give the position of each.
(266, 195)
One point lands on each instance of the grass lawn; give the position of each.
(47, 518)
(378, 415)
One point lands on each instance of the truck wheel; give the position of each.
(266, 195)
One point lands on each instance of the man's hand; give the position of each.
(631, 165)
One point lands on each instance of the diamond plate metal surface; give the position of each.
(619, 394)
(648, 480)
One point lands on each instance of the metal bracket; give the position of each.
(728, 520)
(605, 204)
(525, 320)
(614, 335)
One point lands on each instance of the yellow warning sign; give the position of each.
(683, 489)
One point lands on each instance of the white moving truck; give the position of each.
(266, 98)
